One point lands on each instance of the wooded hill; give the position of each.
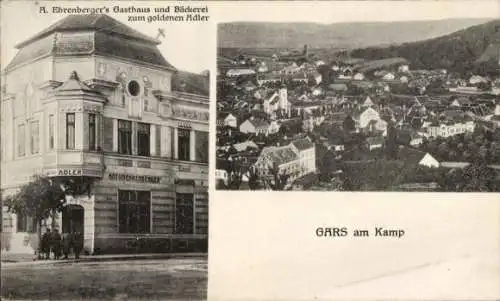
(460, 51)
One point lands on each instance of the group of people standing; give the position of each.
(55, 243)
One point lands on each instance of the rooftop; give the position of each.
(279, 155)
(86, 35)
(303, 144)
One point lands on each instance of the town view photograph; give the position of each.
(350, 106)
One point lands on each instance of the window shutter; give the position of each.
(107, 141)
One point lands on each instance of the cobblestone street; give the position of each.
(179, 279)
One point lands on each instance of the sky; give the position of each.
(186, 45)
(191, 46)
(357, 11)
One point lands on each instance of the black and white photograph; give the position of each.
(104, 151)
(331, 102)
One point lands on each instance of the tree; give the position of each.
(234, 174)
(278, 180)
(476, 177)
(328, 166)
(253, 178)
(41, 198)
(349, 124)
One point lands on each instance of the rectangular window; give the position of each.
(184, 222)
(51, 131)
(26, 223)
(92, 132)
(201, 144)
(183, 144)
(70, 130)
(21, 136)
(34, 138)
(134, 211)
(143, 137)
(125, 137)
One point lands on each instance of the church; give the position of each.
(94, 99)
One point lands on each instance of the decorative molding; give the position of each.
(191, 114)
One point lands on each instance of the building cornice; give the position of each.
(96, 83)
(174, 97)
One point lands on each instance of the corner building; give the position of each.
(91, 98)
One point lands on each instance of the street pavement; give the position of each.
(125, 279)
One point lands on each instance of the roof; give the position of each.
(302, 144)
(88, 35)
(193, 83)
(378, 64)
(454, 164)
(338, 87)
(279, 155)
(375, 140)
(91, 22)
(259, 123)
(244, 145)
(410, 155)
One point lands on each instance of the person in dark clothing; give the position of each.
(56, 244)
(77, 244)
(66, 244)
(45, 244)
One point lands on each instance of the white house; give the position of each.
(370, 119)
(389, 76)
(415, 157)
(221, 174)
(319, 63)
(447, 130)
(274, 127)
(368, 102)
(404, 68)
(295, 159)
(243, 146)
(239, 72)
(476, 79)
(307, 154)
(254, 126)
(374, 142)
(358, 76)
(231, 120)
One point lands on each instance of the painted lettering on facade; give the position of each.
(69, 172)
(134, 178)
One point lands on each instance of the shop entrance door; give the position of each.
(72, 219)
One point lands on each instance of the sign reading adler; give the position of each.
(134, 178)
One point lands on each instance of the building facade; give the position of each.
(92, 98)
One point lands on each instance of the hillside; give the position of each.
(336, 35)
(459, 51)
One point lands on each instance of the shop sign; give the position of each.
(69, 172)
(134, 178)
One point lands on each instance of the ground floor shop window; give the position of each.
(134, 211)
(184, 222)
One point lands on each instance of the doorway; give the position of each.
(72, 219)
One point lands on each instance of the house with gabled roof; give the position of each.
(413, 156)
(295, 159)
(255, 126)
